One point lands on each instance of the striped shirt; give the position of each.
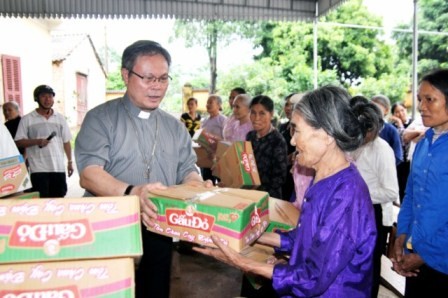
(49, 159)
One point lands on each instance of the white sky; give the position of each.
(121, 33)
(392, 11)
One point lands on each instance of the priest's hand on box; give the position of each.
(148, 211)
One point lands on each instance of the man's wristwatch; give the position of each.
(128, 190)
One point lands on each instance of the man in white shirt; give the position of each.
(46, 135)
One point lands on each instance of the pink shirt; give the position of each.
(234, 131)
(302, 177)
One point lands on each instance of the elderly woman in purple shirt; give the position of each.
(331, 248)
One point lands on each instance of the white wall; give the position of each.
(82, 60)
(30, 40)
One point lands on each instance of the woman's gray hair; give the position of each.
(217, 98)
(12, 103)
(244, 99)
(328, 108)
(142, 48)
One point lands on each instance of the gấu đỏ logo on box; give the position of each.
(51, 235)
(190, 219)
(61, 292)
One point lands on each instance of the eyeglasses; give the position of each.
(152, 79)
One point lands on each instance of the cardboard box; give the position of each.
(70, 228)
(13, 175)
(221, 148)
(283, 215)
(204, 158)
(194, 214)
(90, 278)
(237, 167)
(258, 252)
(206, 140)
(24, 195)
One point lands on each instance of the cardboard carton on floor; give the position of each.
(237, 167)
(13, 175)
(206, 140)
(76, 279)
(71, 228)
(194, 214)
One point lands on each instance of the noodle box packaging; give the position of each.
(237, 216)
(72, 228)
(14, 175)
(24, 195)
(237, 167)
(74, 279)
(283, 215)
(207, 140)
(221, 148)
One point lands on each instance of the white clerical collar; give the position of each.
(144, 115)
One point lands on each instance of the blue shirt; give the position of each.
(424, 212)
(390, 134)
(332, 247)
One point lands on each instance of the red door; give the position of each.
(12, 80)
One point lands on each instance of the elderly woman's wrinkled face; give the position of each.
(213, 106)
(311, 143)
(240, 110)
(260, 118)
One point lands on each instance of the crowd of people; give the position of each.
(343, 161)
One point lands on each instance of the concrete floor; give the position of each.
(196, 275)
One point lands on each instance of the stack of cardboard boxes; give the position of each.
(84, 247)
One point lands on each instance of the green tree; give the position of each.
(394, 87)
(212, 34)
(432, 48)
(353, 53)
(114, 81)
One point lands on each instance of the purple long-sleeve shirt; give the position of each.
(332, 247)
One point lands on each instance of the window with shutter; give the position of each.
(12, 80)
